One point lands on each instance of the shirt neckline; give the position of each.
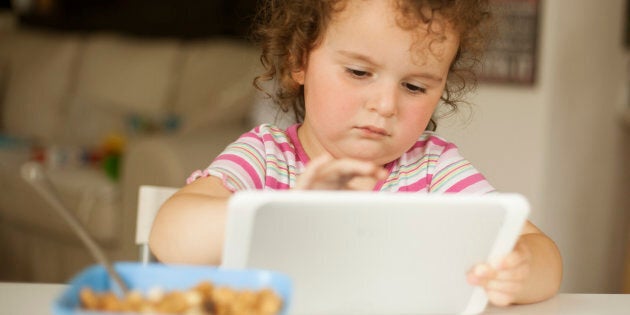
(299, 150)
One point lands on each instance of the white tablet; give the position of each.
(373, 253)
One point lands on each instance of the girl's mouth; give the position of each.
(373, 131)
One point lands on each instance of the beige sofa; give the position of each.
(66, 91)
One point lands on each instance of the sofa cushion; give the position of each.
(119, 79)
(7, 26)
(94, 118)
(4, 77)
(40, 70)
(87, 192)
(133, 74)
(215, 82)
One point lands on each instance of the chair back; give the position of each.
(150, 199)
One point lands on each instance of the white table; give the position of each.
(28, 298)
(572, 304)
(37, 298)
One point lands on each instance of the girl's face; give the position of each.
(370, 87)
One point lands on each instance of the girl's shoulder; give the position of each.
(429, 147)
(271, 139)
(269, 130)
(272, 132)
(267, 134)
(431, 142)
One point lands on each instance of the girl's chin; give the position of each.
(375, 157)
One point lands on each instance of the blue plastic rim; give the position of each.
(169, 277)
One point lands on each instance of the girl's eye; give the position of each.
(358, 73)
(414, 88)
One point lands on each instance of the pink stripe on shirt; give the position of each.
(465, 183)
(242, 162)
(417, 186)
(271, 182)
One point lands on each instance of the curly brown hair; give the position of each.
(287, 30)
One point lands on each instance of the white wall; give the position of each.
(559, 142)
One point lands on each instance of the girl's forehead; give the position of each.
(383, 22)
(398, 10)
(397, 13)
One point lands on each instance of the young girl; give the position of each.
(364, 79)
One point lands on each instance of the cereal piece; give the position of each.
(193, 298)
(205, 288)
(109, 302)
(249, 298)
(174, 302)
(223, 296)
(197, 310)
(133, 301)
(147, 308)
(269, 302)
(209, 307)
(155, 294)
(203, 299)
(89, 300)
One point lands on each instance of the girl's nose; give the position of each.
(383, 101)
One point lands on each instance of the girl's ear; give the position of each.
(298, 76)
(298, 73)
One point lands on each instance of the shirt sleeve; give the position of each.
(454, 174)
(241, 166)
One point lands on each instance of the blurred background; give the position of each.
(183, 19)
(168, 84)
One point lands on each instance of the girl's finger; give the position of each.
(500, 298)
(349, 167)
(518, 273)
(512, 260)
(328, 173)
(509, 287)
(306, 178)
(520, 254)
(480, 274)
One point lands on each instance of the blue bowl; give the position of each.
(168, 277)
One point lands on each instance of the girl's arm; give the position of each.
(189, 227)
(531, 273)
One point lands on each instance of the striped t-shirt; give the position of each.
(268, 157)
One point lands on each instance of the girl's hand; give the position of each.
(327, 173)
(504, 283)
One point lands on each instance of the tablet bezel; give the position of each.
(243, 209)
